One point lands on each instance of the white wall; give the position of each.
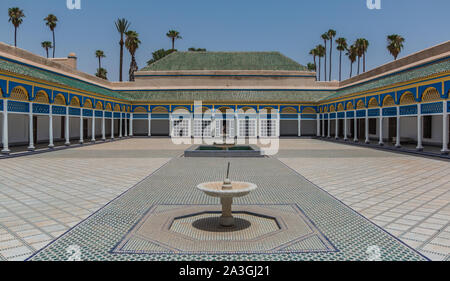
(17, 128)
(140, 127)
(309, 127)
(74, 128)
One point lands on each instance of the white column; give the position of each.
(419, 129)
(112, 125)
(355, 127)
(81, 126)
(30, 128)
(299, 125)
(444, 128)
(93, 126)
(258, 124)
(67, 130)
(150, 124)
(380, 142)
(318, 125)
(131, 125)
(120, 125)
(397, 142)
(367, 127)
(329, 127)
(345, 126)
(103, 126)
(126, 124)
(323, 125)
(5, 127)
(336, 127)
(236, 120)
(278, 124)
(50, 128)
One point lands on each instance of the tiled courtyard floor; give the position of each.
(42, 196)
(408, 196)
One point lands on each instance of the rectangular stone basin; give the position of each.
(222, 151)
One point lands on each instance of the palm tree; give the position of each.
(331, 34)
(321, 51)
(313, 53)
(51, 21)
(362, 45)
(341, 46)
(395, 44)
(46, 45)
(132, 43)
(311, 66)
(99, 54)
(352, 53)
(122, 26)
(173, 35)
(102, 73)
(325, 39)
(16, 16)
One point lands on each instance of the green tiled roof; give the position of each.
(227, 95)
(55, 78)
(396, 78)
(225, 61)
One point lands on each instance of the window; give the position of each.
(427, 125)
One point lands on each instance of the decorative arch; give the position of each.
(332, 108)
(360, 105)
(88, 104)
(350, 106)
(19, 93)
(309, 110)
(289, 110)
(340, 107)
(140, 109)
(117, 107)
(42, 97)
(108, 107)
(388, 101)
(431, 94)
(180, 107)
(372, 103)
(75, 102)
(224, 109)
(99, 105)
(407, 98)
(325, 109)
(59, 100)
(160, 109)
(264, 109)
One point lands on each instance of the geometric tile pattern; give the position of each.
(44, 195)
(196, 229)
(409, 196)
(174, 184)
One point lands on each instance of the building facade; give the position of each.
(242, 94)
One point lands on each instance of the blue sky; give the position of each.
(292, 27)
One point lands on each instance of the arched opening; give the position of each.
(289, 122)
(160, 125)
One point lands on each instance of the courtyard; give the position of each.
(334, 201)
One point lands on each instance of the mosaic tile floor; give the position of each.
(353, 236)
(409, 196)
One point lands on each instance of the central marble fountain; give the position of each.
(226, 191)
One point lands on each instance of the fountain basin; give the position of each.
(226, 191)
(223, 151)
